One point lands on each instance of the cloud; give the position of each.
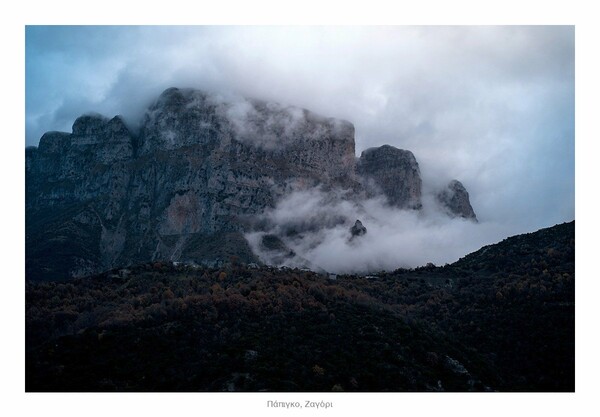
(316, 226)
(490, 106)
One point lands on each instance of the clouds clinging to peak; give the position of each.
(315, 225)
(490, 106)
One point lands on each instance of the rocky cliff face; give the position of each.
(455, 199)
(188, 185)
(102, 197)
(393, 172)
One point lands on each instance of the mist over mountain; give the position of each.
(207, 176)
(321, 209)
(491, 106)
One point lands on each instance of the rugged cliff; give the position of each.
(180, 189)
(455, 199)
(189, 183)
(394, 172)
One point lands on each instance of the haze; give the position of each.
(490, 106)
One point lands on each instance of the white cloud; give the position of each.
(395, 238)
(490, 106)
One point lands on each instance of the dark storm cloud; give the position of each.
(490, 106)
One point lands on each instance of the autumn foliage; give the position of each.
(499, 319)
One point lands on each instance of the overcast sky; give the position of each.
(490, 106)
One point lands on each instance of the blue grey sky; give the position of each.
(490, 106)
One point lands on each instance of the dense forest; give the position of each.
(499, 319)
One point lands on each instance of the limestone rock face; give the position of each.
(455, 199)
(201, 165)
(282, 141)
(69, 168)
(194, 180)
(394, 172)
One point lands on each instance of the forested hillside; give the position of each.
(499, 319)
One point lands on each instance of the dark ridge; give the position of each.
(167, 326)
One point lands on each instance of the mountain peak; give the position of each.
(455, 199)
(203, 169)
(393, 171)
(89, 124)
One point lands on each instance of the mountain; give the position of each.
(455, 199)
(191, 182)
(395, 172)
(499, 319)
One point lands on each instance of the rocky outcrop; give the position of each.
(68, 168)
(357, 230)
(191, 182)
(200, 167)
(280, 141)
(455, 200)
(393, 172)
